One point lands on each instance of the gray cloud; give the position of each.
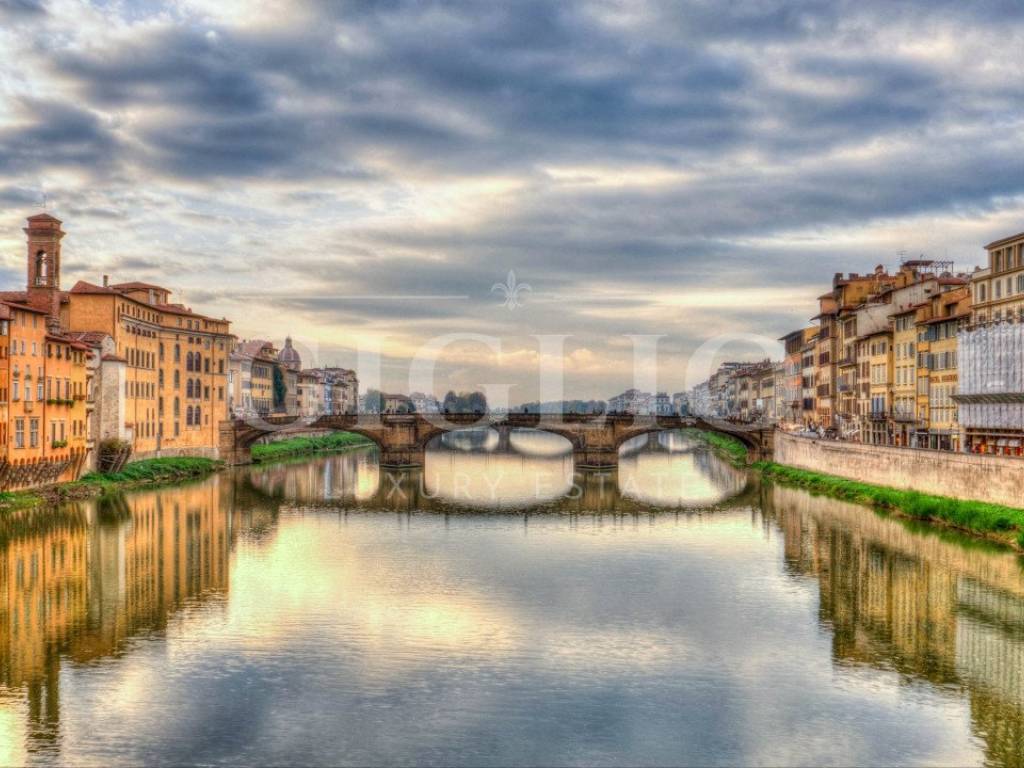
(595, 148)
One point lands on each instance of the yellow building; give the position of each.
(938, 322)
(904, 383)
(848, 292)
(175, 387)
(44, 380)
(998, 289)
(879, 360)
(168, 393)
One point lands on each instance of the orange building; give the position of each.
(162, 386)
(43, 388)
(175, 380)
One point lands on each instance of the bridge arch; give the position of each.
(402, 439)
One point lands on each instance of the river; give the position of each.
(496, 608)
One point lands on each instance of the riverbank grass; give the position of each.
(296, 446)
(732, 448)
(134, 474)
(977, 517)
(167, 469)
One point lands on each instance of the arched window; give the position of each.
(177, 407)
(188, 390)
(206, 365)
(177, 353)
(197, 417)
(188, 416)
(188, 361)
(177, 379)
(42, 267)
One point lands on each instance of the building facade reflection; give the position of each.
(76, 586)
(96, 575)
(930, 607)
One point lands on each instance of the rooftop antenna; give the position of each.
(43, 200)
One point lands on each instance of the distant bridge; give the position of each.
(402, 438)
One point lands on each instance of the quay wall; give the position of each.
(995, 479)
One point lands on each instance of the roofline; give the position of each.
(1004, 241)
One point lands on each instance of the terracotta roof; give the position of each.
(24, 307)
(67, 339)
(178, 309)
(83, 287)
(44, 217)
(88, 337)
(15, 296)
(113, 359)
(135, 285)
(252, 347)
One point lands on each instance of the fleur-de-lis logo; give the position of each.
(512, 290)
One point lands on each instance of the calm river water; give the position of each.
(496, 609)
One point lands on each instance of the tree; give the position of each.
(373, 401)
(280, 388)
(476, 402)
(451, 402)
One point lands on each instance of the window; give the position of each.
(33, 433)
(177, 353)
(188, 416)
(19, 431)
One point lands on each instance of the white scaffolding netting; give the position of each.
(991, 362)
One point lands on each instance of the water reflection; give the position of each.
(520, 469)
(255, 618)
(76, 588)
(667, 469)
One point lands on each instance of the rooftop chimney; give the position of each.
(106, 281)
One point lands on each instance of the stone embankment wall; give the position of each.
(995, 479)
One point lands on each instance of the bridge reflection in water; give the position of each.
(87, 592)
(481, 469)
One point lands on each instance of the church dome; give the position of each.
(288, 357)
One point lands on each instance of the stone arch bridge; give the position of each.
(402, 439)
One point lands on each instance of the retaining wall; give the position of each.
(995, 479)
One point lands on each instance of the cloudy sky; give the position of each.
(358, 173)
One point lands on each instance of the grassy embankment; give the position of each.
(133, 474)
(733, 449)
(297, 446)
(167, 470)
(977, 517)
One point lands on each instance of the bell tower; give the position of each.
(44, 236)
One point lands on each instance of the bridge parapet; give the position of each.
(402, 438)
